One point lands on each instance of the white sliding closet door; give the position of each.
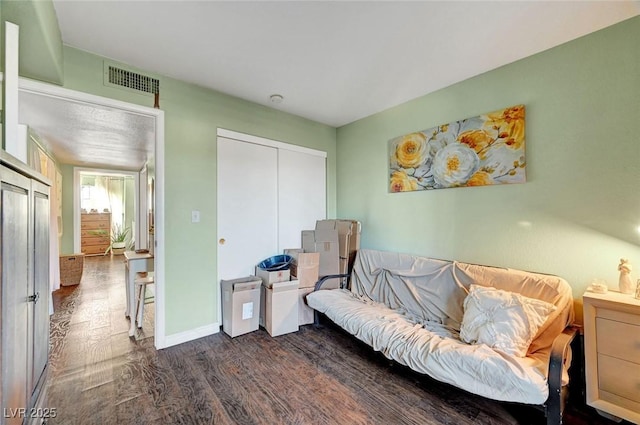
(268, 192)
(302, 195)
(247, 206)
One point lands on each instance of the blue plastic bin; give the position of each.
(277, 262)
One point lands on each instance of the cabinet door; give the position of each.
(41, 212)
(14, 229)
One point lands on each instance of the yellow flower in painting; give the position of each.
(480, 178)
(410, 151)
(401, 182)
(454, 164)
(509, 123)
(477, 140)
(515, 139)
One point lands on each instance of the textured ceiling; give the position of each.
(89, 135)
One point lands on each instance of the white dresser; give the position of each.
(612, 354)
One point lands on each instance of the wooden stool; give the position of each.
(142, 281)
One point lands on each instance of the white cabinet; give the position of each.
(24, 271)
(612, 354)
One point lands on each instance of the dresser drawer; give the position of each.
(104, 225)
(618, 339)
(88, 233)
(93, 249)
(103, 241)
(619, 377)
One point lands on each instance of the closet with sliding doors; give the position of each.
(24, 271)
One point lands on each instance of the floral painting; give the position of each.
(479, 151)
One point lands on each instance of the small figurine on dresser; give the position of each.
(625, 285)
(638, 290)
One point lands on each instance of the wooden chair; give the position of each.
(144, 294)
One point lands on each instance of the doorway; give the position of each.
(106, 199)
(98, 106)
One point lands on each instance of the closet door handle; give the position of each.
(34, 298)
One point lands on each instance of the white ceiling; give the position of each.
(89, 135)
(333, 61)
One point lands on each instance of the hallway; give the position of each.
(90, 345)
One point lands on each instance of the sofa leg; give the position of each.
(555, 406)
(316, 319)
(553, 411)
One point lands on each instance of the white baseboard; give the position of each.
(190, 335)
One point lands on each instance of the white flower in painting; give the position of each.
(454, 164)
(439, 141)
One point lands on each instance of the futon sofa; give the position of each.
(500, 333)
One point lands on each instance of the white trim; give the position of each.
(142, 190)
(230, 134)
(10, 87)
(160, 340)
(192, 334)
(43, 89)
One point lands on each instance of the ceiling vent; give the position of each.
(119, 77)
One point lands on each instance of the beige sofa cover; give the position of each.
(410, 308)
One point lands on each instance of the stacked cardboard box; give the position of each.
(337, 241)
(270, 277)
(325, 243)
(278, 301)
(305, 313)
(304, 268)
(348, 240)
(279, 307)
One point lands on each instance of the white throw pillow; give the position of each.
(505, 321)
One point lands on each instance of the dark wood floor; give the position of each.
(98, 375)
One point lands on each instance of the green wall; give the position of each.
(40, 49)
(576, 215)
(579, 210)
(192, 116)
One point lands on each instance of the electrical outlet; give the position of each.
(195, 216)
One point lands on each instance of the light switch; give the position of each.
(195, 216)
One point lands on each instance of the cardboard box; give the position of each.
(280, 303)
(325, 242)
(305, 267)
(240, 305)
(348, 240)
(269, 278)
(305, 313)
(293, 252)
